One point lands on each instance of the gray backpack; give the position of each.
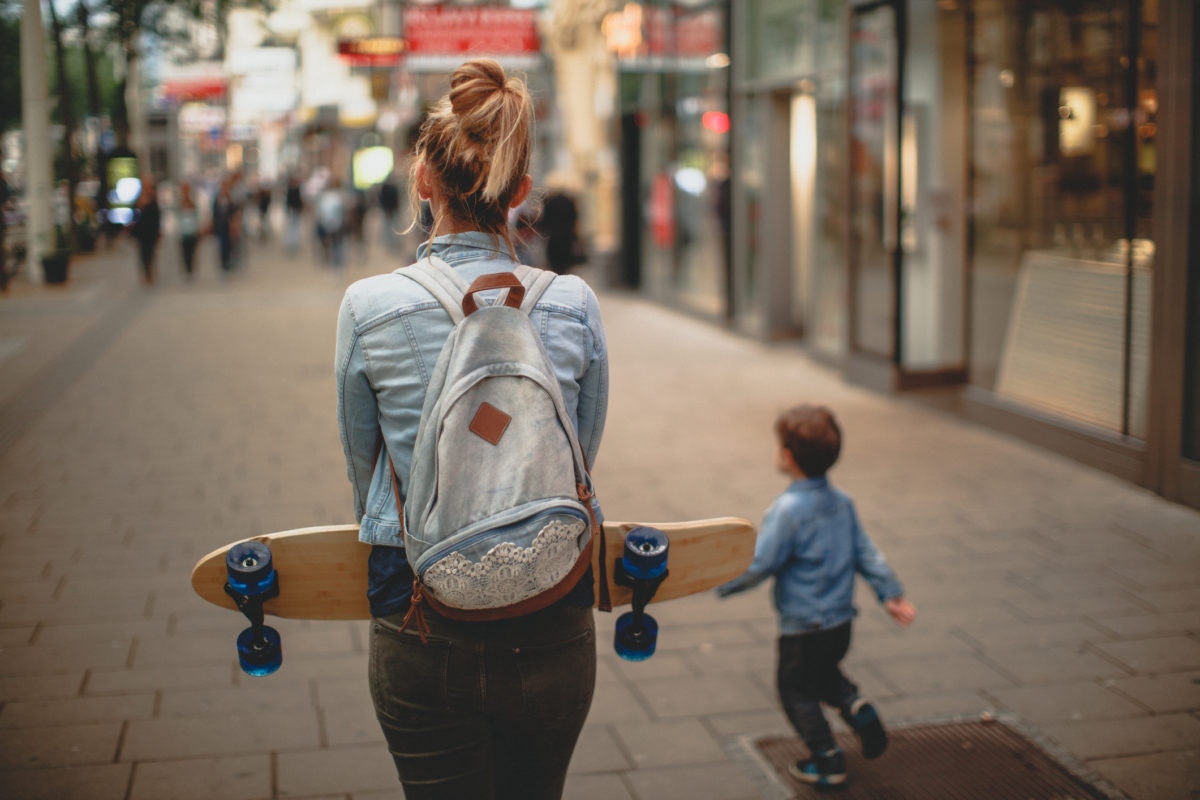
(498, 520)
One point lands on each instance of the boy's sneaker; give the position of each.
(864, 719)
(823, 769)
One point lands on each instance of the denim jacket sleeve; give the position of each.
(356, 408)
(772, 548)
(870, 563)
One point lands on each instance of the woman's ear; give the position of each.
(424, 182)
(522, 191)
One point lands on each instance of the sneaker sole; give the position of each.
(817, 780)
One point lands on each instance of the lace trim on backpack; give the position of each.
(507, 574)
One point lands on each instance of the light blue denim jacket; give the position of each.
(389, 335)
(813, 544)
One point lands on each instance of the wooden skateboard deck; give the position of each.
(323, 570)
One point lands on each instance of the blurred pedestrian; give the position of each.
(559, 224)
(331, 222)
(147, 228)
(812, 543)
(264, 210)
(389, 206)
(294, 207)
(187, 224)
(225, 225)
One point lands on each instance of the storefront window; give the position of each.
(1063, 114)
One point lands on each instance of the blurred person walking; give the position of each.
(187, 223)
(559, 224)
(294, 207)
(225, 225)
(147, 229)
(331, 222)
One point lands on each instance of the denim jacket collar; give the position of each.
(455, 248)
(809, 484)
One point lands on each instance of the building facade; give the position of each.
(994, 197)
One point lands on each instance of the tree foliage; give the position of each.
(10, 65)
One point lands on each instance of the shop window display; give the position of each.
(1063, 162)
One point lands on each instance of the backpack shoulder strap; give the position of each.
(441, 281)
(536, 282)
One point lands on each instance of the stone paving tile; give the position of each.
(1098, 739)
(945, 673)
(679, 697)
(234, 700)
(1158, 776)
(1151, 624)
(596, 787)
(1154, 656)
(722, 780)
(1055, 664)
(61, 746)
(599, 750)
(183, 737)
(23, 713)
(661, 744)
(1070, 703)
(309, 773)
(1163, 694)
(229, 778)
(101, 782)
(616, 702)
(127, 681)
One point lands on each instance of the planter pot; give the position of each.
(54, 266)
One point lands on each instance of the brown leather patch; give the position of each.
(489, 423)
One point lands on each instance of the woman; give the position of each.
(187, 221)
(482, 709)
(147, 229)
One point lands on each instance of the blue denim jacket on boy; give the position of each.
(813, 544)
(390, 333)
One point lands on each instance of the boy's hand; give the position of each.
(901, 610)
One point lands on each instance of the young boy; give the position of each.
(812, 543)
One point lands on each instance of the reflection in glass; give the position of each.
(1062, 179)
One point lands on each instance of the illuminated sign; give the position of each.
(440, 37)
(372, 51)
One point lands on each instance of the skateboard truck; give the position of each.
(643, 568)
(252, 581)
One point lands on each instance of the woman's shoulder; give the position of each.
(383, 293)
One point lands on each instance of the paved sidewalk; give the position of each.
(141, 428)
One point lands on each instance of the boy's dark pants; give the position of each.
(809, 675)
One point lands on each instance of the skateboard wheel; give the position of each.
(634, 639)
(262, 657)
(249, 567)
(645, 556)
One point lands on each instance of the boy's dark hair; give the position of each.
(812, 435)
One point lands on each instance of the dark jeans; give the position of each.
(808, 675)
(487, 711)
(188, 243)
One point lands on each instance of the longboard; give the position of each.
(323, 570)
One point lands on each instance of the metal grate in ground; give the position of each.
(940, 762)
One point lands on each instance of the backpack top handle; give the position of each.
(496, 280)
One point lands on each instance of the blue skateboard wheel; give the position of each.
(262, 657)
(249, 567)
(634, 639)
(645, 556)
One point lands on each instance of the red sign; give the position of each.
(460, 31)
(372, 51)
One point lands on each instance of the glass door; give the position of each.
(875, 83)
